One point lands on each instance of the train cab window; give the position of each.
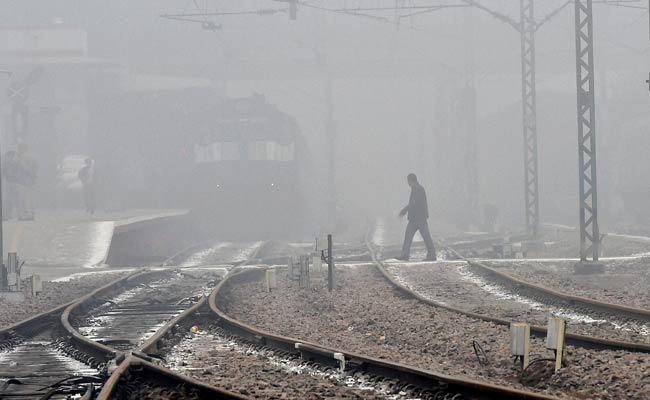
(216, 151)
(230, 151)
(285, 152)
(270, 151)
(260, 151)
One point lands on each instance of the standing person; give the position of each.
(87, 178)
(418, 213)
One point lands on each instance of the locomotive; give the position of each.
(246, 168)
(235, 163)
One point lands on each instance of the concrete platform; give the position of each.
(59, 243)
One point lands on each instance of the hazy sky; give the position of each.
(387, 79)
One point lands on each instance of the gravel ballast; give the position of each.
(214, 357)
(131, 316)
(465, 287)
(624, 282)
(367, 316)
(54, 294)
(566, 244)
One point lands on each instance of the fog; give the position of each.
(125, 74)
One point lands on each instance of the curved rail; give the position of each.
(415, 376)
(51, 364)
(583, 301)
(137, 366)
(136, 362)
(90, 346)
(141, 355)
(169, 261)
(151, 345)
(571, 338)
(47, 317)
(103, 353)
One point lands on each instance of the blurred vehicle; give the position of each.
(244, 165)
(236, 163)
(68, 172)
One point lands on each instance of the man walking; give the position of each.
(418, 213)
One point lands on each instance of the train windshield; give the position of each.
(258, 150)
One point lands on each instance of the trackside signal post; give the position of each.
(331, 273)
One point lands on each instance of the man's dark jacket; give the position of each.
(417, 208)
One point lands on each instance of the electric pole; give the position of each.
(331, 154)
(529, 106)
(2, 257)
(469, 118)
(526, 27)
(589, 231)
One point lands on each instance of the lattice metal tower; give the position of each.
(529, 103)
(589, 232)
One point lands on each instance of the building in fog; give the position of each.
(54, 102)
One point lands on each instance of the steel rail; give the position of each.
(151, 345)
(138, 366)
(37, 321)
(171, 260)
(596, 305)
(136, 360)
(50, 321)
(90, 346)
(416, 376)
(62, 314)
(612, 308)
(571, 338)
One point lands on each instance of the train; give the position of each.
(236, 163)
(247, 167)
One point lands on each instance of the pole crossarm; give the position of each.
(552, 14)
(589, 232)
(529, 108)
(500, 16)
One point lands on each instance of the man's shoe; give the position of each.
(402, 258)
(431, 258)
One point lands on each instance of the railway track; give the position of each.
(133, 318)
(99, 332)
(126, 320)
(215, 252)
(515, 300)
(38, 359)
(378, 377)
(73, 349)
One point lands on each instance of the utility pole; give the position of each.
(529, 105)
(469, 108)
(589, 232)
(2, 257)
(331, 153)
(526, 27)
